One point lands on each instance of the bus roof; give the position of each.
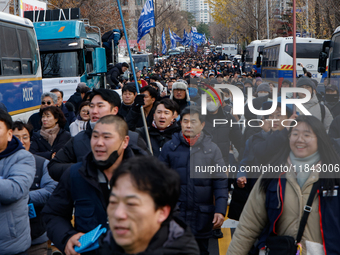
(259, 42)
(15, 19)
(65, 29)
(280, 40)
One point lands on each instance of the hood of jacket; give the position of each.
(312, 102)
(174, 237)
(13, 146)
(119, 67)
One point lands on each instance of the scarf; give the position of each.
(50, 134)
(192, 141)
(302, 175)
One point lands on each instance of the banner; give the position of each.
(194, 72)
(146, 20)
(31, 5)
(133, 44)
(163, 43)
(172, 40)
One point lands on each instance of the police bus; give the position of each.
(20, 69)
(253, 52)
(331, 50)
(277, 62)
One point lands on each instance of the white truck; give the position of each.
(229, 49)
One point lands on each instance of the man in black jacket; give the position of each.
(163, 125)
(114, 72)
(147, 227)
(84, 187)
(103, 102)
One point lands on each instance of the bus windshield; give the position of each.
(141, 61)
(61, 64)
(250, 53)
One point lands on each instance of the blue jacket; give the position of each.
(196, 202)
(17, 169)
(329, 207)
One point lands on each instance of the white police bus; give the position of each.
(277, 62)
(253, 51)
(20, 68)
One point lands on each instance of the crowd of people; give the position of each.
(96, 159)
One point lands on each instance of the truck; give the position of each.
(68, 54)
(229, 49)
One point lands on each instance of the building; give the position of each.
(199, 8)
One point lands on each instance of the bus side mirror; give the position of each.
(322, 62)
(258, 62)
(100, 61)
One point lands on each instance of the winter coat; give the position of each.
(76, 100)
(334, 129)
(223, 134)
(79, 146)
(134, 118)
(173, 238)
(334, 108)
(17, 169)
(41, 147)
(158, 138)
(313, 106)
(196, 202)
(77, 126)
(68, 111)
(124, 110)
(40, 191)
(266, 212)
(240, 195)
(78, 188)
(113, 74)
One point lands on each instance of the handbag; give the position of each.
(287, 245)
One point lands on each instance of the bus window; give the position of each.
(304, 50)
(25, 52)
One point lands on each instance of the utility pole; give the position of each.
(307, 21)
(267, 14)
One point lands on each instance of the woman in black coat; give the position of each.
(52, 136)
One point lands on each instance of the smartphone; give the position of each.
(299, 64)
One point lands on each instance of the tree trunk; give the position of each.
(317, 20)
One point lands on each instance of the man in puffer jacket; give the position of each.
(186, 152)
(17, 170)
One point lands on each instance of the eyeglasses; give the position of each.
(48, 102)
(305, 136)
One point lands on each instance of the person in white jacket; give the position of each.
(80, 123)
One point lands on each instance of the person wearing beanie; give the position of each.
(332, 99)
(180, 94)
(248, 83)
(263, 90)
(316, 108)
(258, 81)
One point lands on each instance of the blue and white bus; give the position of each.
(253, 51)
(277, 62)
(20, 68)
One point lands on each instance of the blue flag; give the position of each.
(172, 40)
(186, 38)
(146, 20)
(163, 43)
(176, 37)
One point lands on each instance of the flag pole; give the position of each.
(134, 75)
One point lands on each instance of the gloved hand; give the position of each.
(139, 101)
